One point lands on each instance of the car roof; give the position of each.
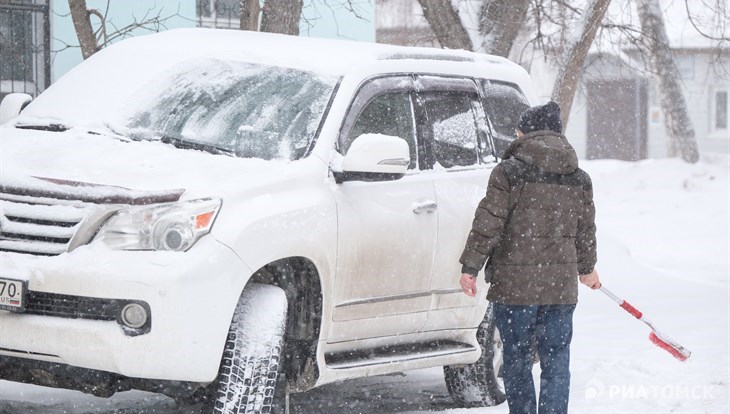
(326, 56)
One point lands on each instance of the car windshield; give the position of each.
(244, 109)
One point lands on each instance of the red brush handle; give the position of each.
(632, 310)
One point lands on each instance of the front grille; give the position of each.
(76, 307)
(39, 226)
(53, 216)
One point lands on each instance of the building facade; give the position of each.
(600, 114)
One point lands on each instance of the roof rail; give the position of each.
(426, 56)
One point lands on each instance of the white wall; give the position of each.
(700, 83)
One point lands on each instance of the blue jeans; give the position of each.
(552, 328)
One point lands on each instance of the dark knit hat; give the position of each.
(541, 118)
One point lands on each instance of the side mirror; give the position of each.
(375, 157)
(12, 104)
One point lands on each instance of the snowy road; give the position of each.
(664, 244)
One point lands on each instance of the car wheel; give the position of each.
(250, 365)
(479, 384)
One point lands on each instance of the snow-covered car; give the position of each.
(207, 213)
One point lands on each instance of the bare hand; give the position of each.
(591, 280)
(468, 284)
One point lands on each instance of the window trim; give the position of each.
(483, 96)
(368, 91)
(430, 83)
(416, 83)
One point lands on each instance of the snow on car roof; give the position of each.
(108, 86)
(327, 56)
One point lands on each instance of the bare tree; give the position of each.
(676, 117)
(446, 24)
(250, 10)
(82, 24)
(91, 41)
(281, 16)
(574, 55)
(285, 16)
(565, 33)
(500, 21)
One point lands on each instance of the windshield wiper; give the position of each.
(182, 144)
(52, 127)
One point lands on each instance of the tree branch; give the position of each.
(446, 24)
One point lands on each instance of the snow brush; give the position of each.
(659, 339)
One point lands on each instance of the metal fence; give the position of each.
(218, 14)
(25, 42)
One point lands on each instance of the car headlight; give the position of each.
(174, 226)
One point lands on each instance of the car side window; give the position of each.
(388, 114)
(504, 103)
(452, 125)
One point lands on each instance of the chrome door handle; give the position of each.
(427, 206)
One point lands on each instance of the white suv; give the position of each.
(200, 213)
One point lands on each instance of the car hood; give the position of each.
(99, 168)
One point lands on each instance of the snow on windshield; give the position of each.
(251, 110)
(248, 110)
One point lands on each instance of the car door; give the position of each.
(459, 148)
(386, 229)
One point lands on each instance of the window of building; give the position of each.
(220, 14)
(203, 8)
(721, 112)
(685, 66)
(24, 49)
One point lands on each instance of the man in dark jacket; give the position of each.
(536, 224)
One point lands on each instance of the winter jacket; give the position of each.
(537, 222)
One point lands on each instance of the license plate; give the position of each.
(12, 294)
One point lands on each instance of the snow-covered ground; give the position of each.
(664, 245)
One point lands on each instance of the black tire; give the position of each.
(250, 365)
(479, 384)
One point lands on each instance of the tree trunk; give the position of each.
(499, 23)
(676, 118)
(445, 23)
(574, 55)
(250, 10)
(281, 16)
(82, 24)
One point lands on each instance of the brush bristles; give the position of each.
(677, 351)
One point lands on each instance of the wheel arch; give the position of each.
(299, 278)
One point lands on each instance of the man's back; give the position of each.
(550, 215)
(536, 223)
